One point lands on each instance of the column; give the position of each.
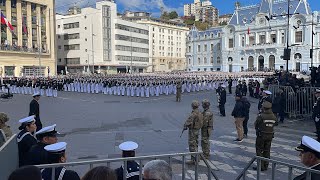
(267, 37)
(48, 30)
(19, 22)
(29, 24)
(8, 15)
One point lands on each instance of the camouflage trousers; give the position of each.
(193, 141)
(263, 146)
(178, 97)
(205, 143)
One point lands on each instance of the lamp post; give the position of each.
(92, 48)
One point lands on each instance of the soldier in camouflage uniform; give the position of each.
(207, 128)
(5, 128)
(179, 91)
(194, 124)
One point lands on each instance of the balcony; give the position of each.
(22, 49)
(261, 46)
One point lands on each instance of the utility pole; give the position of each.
(312, 39)
(131, 52)
(92, 48)
(39, 49)
(288, 50)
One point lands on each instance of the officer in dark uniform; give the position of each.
(310, 157)
(230, 85)
(316, 113)
(264, 126)
(128, 150)
(179, 91)
(222, 98)
(265, 97)
(46, 136)
(25, 138)
(34, 109)
(57, 154)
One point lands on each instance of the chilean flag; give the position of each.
(5, 21)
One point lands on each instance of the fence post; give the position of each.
(124, 173)
(290, 173)
(183, 167)
(258, 168)
(273, 170)
(308, 176)
(196, 167)
(140, 169)
(53, 175)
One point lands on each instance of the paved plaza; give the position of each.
(94, 125)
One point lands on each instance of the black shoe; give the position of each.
(238, 140)
(222, 115)
(245, 136)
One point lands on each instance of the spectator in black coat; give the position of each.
(239, 115)
(247, 106)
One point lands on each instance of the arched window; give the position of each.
(199, 61)
(211, 60)
(205, 61)
(189, 61)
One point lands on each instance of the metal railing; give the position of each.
(210, 173)
(299, 102)
(9, 157)
(274, 164)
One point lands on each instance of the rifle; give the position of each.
(182, 132)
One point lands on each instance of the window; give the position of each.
(242, 41)
(189, 48)
(131, 29)
(262, 39)
(60, 60)
(298, 36)
(71, 25)
(205, 69)
(58, 26)
(273, 38)
(199, 61)
(211, 60)
(71, 36)
(58, 36)
(205, 60)
(72, 60)
(231, 43)
(218, 60)
(72, 47)
(252, 40)
(199, 48)
(133, 39)
(218, 46)
(59, 47)
(189, 61)
(283, 37)
(133, 58)
(205, 47)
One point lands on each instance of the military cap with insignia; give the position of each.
(47, 131)
(309, 144)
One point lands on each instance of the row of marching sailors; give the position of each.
(141, 89)
(49, 91)
(42, 147)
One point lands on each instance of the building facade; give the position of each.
(28, 50)
(204, 50)
(167, 42)
(97, 40)
(253, 42)
(208, 14)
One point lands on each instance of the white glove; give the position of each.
(317, 119)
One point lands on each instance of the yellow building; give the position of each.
(32, 44)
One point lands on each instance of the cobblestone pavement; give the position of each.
(94, 125)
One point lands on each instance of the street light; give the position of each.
(92, 48)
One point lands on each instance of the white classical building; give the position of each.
(96, 39)
(251, 41)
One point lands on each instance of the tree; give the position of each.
(165, 16)
(173, 15)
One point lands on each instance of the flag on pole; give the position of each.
(24, 26)
(5, 21)
(248, 30)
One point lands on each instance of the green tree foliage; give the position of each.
(169, 15)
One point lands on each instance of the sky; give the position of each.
(153, 6)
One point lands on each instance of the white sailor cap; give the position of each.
(28, 119)
(309, 144)
(267, 92)
(48, 131)
(56, 148)
(224, 86)
(128, 146)
(318, 90)
(36, 94)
